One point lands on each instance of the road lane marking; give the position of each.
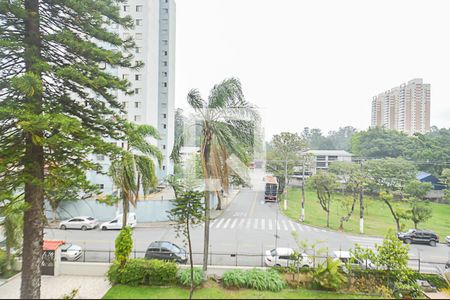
(278, 225)
(226, 224)
(284, 225)
(292, 225)
(263, 224)
(252, 208)
(270, 224)
(248, 224)
(233, 224)
(241, 223)
(220, 222)
(255, 225)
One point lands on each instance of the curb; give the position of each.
(223, 210)
(10, 278)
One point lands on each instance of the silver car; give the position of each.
(82, 223)
(70, 252)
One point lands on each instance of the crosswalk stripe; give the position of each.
(233, 224)
(292, 226)
(270, 224)
(241, 223)
(211, 224)
(248, 224)
(263, 224)
(219, 223)
(284, 225)
(226, 224)
(255, 225)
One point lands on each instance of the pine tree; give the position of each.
(57, 100)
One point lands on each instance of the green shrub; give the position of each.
(328, 276)
(135, 272)
(161, 272)
(184, 277)
(234, 279)
(113, 274)
(254, 279)
(124, 246)
(3, 262)
(143, 272)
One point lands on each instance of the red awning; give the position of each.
(52, 245)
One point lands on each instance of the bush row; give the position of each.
(144, 272)
(261, 280)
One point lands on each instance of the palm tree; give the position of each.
(227, 123)
(134, 167)
(12, 227)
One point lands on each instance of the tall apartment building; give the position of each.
(154, 85)
(405, 108)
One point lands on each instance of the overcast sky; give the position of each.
(314, 63)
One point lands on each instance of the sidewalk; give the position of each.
(89, 287)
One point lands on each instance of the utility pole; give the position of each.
(302, 217)
(285, 184)
(361, 200)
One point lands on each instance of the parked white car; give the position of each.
(345, 256)
(447, 240)
(283, 257)
(116, 223)
(70, 252)
(82, 223)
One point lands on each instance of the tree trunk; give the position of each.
(361, 211)
(302, 217)
(33, 166)
(347, 217)
(8, 256)
(328, 213)
(207, 174)
(191, 290)
(126, 204)
(219, 201)
(397, 220)
(53, 215)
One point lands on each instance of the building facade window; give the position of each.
(165, 53)
(137, 118)
(139, 8)
(139, 22)
(164, 116)
(138, 49)
(164, 84)
(164, 126)
(165, 63)
(137, 104)
(101, 186)
(138, 77)
(100, 157)
(125, 76)
(126, 8)
(138, 36)
(137, 91)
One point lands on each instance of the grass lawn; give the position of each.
(214, 291)
(377, 217)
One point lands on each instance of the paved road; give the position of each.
(247, 227)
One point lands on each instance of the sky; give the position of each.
(314, 63)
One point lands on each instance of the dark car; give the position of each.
(166, 251)
(417, 236)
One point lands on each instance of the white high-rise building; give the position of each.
(154, 85)
(405, 108)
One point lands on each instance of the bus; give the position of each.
(271, 189)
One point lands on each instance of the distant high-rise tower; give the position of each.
(154, 85)
(405, 108)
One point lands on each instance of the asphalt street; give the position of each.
(242, 234)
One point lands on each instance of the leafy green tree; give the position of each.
(325, 184)
(390, 176)
(445, 177)
(419, 211)
(354, 178)
(57, 100)
(316, 140)
(284, 156)
(133, 168)
(342, 139)
(380, 143)
(66, 184)
(227, 122)
(188, 210)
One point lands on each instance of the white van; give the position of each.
(116, 223)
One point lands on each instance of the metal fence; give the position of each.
(248, 259)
